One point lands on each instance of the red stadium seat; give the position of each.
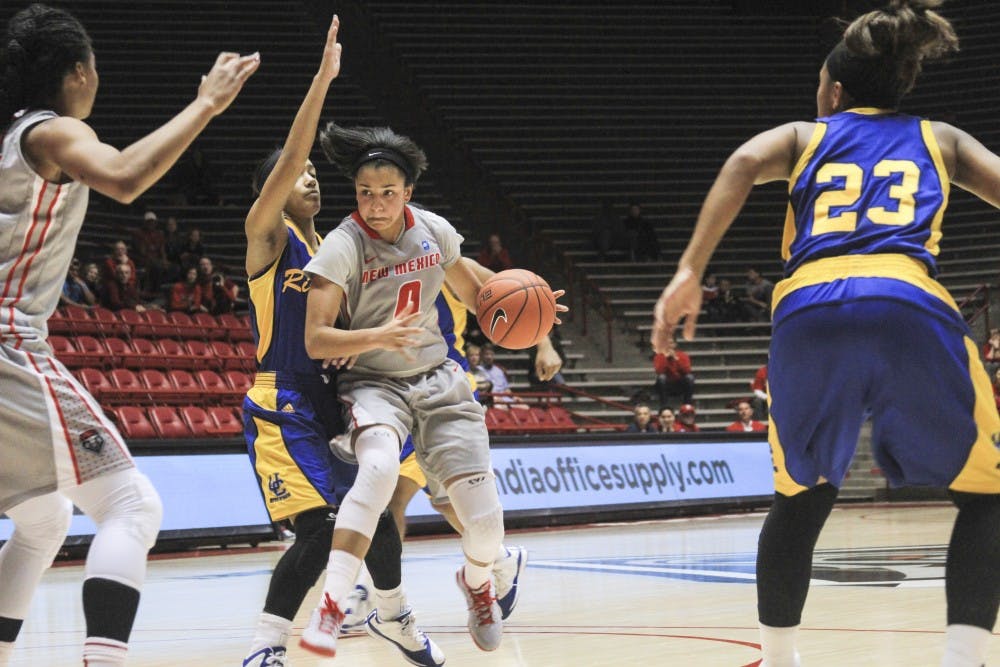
(187, 388)
(202, 356)
(159, 387)
(108, 322)
(247, 352)
(58, 324)
(66, 352)
(563, 419)
(209, 326)
(133, 423)
(93, 352)
(238, 381)
(168, 423)
(500, 422)
(226, 421)
(227, 355)
(148, 324)
(126, 387)
(184, 326)
(175, 355)
(80, 321)
(214, 388)
(140, 353)
(95, 382)
(237, 329)
(198, 421)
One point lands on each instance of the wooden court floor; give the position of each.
(677, 592)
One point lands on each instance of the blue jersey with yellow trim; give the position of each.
(452, 317)
(278, 309)
(869, 182)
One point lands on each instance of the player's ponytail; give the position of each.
(883, 51)
(41, 45)
(350, 148)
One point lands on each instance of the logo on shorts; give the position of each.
(276, 486)
(498, 314)
(92, 441)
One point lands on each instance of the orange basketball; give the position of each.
(516, 309)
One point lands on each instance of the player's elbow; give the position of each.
(744, 162)
(313, 341)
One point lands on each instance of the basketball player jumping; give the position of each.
(58, 448)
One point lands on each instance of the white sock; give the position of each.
(390, 604)
(341, 571)
(271, 631)
(476, 575)
(965, 646)
(6, 651)
(777, 645)
(502, 552)
(104, 652)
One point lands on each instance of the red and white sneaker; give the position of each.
(485, 624)
(320, 636)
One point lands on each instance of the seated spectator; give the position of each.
(709, 289)
(185, 295)
(758, 296)
(536, 383)
(151, 254)
(642, 421)
(494, 256)
(93, 279)
(758, 385)
(643, 245)
(495, 373)
(674, 376)
(991, 352)
(75, 291)
(745, 423)
(192, 249)
(483, 384)
(668, 422)
(726, 306)
(218, 293)
(685, 419)
(122, 291)
(119, 255)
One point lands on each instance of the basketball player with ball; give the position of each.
(380, 271)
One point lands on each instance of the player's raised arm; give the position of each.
(66, 146)
(972, 166)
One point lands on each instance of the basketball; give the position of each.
(516, 309)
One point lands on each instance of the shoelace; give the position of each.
(275, 660)
(330, 616)
(482, 604)
(409, 629)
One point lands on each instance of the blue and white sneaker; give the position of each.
(507, 572)
(273, 656)
(357, 606)
(403, 633)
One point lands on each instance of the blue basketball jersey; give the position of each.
(278, 308)
(452, 317)
(868, 183)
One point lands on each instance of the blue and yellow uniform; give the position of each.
(861, 327)
(452, 319)
(291, 412)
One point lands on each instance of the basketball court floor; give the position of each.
(676, 592)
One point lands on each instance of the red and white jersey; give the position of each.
(380, 278)
(39, 223)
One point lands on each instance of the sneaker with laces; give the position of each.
(506, 573)
(403, 633)
(272, 656)
(485, 624)
(320, 636)
(357, 606)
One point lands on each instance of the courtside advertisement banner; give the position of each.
(595, 475)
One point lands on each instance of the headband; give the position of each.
(389, 155)
(870, 80)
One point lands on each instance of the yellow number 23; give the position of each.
(847, 221)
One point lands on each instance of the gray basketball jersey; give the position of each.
(39, 223)
(380, 278)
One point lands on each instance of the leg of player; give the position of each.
(784, 567)
(377, 451)
(477, 507)
(972, 582)
(40, 526)
(127, 511)
(295, 573)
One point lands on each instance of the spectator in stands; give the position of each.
(483, 384)
(218, 293)
(668, 421)
(534, 381)
(495, 374)
(745, 423)
(494, 256)
(709, 289)
(757, 300)
(122, 291)
(726, 306)
(642, 420)
(75, 291)
(674, 376)
(991, 352)
(92, 278)
(643, 245)
(685, 419)
(192, 250)
(173, 242)
(185, 295)
(151, 254)
(119, 255)
(758, 385)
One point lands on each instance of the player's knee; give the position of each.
(377, 451)
(136, 503)
(477, 506)
(313, 538)
(44, 533)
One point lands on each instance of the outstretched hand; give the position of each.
(329, 67)
(680, 299)
(226, 78)
(559, 307)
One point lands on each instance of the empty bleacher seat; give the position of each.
(133, 423)
(168, 423)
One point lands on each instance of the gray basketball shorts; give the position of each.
(53, 433)
(437, 407)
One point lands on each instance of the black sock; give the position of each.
(972, 578)
(109, 608)
(384, 558)
(9, 628)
